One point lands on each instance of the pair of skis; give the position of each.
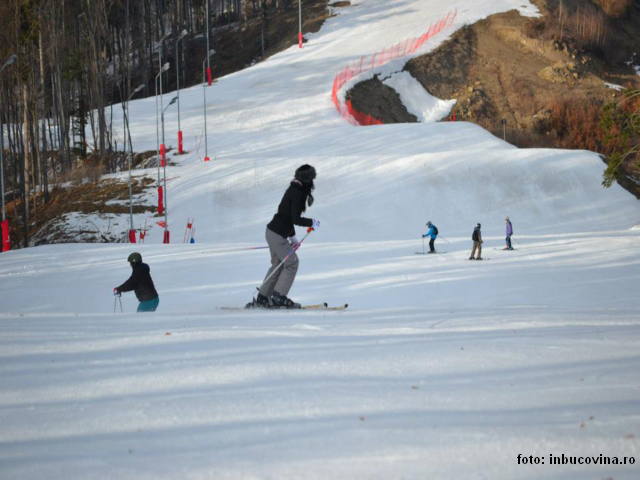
(319, 306)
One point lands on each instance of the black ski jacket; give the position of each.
(140, 281)
(290, 212)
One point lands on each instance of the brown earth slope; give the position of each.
(549, 91)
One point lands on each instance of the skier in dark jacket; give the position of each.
(140, 281)
(477, 243)
(282, 241)
(433, 234)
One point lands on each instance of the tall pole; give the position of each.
(157, 129)
(299, 23)
(125, 108)
(4, 213)
(164, 167)
(165, 238)
(127, 137)
(180, 151)
(160, 147)
(204, 94)
(5, 244)
(208, 48)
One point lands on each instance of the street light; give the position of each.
(204, 92)
(161, 67)
(5, 244)
(164, 166)
(125, 109)
(182, 35)
(159, 148)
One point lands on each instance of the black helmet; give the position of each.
(429, 223)
(134, 258)
(305, 174)
(478, 225)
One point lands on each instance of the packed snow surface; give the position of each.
(441, 367)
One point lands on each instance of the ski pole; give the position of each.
(295, 247)
(115, 302)
(440, 236)
(423, 245)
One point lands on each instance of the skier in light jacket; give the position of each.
(509, 233)
(433, 233)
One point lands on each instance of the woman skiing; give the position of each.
(281, 238)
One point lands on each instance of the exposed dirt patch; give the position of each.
(108, 197)
(549, 92)
(388, 104)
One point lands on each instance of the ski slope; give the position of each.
(441, 368)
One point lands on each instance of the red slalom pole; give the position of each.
(209, 75)
(6, 241)
(160, 203)
(180, 150)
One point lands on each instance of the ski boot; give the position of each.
(282, 301)
(260, 302)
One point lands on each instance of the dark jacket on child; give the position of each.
(140, 281)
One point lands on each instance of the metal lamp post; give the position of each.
(299, 23)
(5, 244)
(125, 109)
(204, 92)
(157, 112)
(164, 167)
(182, 35)
(159, 147)
(208, 49)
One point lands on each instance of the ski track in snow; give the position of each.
(441, 368)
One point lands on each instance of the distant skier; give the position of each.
(140, 281)
(433, 233)
(509, 233)
(477, 243)
(282, 241)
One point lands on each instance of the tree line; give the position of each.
(76, 60)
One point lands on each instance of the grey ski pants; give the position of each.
(280, 281)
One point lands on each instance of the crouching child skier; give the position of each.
(433, 233)
(140, 281)
(281, 238)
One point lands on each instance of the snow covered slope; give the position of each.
(441, 367)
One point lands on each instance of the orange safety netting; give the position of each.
(345, 109)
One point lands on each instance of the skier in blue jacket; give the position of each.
(433, 233)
